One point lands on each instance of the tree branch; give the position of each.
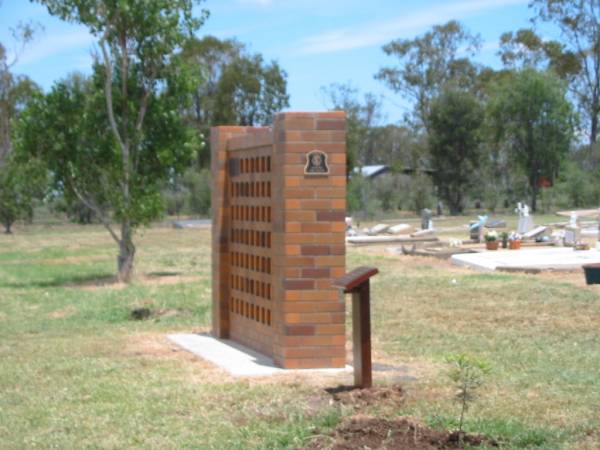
(92, 205)
(108, 92)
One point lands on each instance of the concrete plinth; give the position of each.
(237, 359)
(555, 258)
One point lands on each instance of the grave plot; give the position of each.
(555, 258)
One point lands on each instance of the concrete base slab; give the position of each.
(238, 360)
(555, 258)
(203, 223)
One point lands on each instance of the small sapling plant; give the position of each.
(467, 374)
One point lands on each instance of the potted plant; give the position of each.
(514, 241)
(504, 237)
(491, 240)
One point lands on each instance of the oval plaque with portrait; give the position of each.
(316, 163)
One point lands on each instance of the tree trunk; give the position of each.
(7, 225)
(593, 131)
(534, 193)
(126, 254)
(455, 203)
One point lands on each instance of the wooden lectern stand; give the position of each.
(357, 284)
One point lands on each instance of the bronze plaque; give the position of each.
(316, 163)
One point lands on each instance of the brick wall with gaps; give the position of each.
(279, 238)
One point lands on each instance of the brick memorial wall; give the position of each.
(279, 204)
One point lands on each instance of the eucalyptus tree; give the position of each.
(574, 55)
(428, 62)
(362, 119)
(454, 144)
(579, 23)
(141, 84)
(238, 87)
(531, 115)
(19, 180)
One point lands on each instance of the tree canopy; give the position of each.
(428, 62)
(579, 23)
(531, 115)
(454, 144)
(126, 134)
(237, 87)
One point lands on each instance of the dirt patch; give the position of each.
(62, 313)
(55, 261)
(144, 313)
(361, 398)
(147, 280)
(574, 277)
(405, 433)
(164, 280)
(98, 283)
(157, 347)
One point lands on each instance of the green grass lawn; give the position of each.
(76, 372)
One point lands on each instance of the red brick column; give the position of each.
(219, 138)
(309, 241)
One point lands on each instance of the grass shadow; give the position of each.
(165, 273)
(89, 280)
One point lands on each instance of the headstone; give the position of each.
(422, 233)
(525, 220)
(572, 236)
(536, 232)
(425, 219)
(573, 219)
(496, 224)
(572, 231)
(378, 229)
(398, 229)
(525, 224)
(476, 228)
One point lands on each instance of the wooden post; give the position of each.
(357, 284)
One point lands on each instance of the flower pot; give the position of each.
(491, 245)
(514, 245)
(592, 273)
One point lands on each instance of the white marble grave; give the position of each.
(554, 258)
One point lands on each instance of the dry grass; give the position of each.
(67, 343)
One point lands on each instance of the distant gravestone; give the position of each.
(476, 228)
(572, 236)
(496, 224)
(525, 220)
(426, 219)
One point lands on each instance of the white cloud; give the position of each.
(51, 45)
(377, 33)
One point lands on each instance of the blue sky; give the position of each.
(317, 42)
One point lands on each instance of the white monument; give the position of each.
(525, 220)
(572, 231)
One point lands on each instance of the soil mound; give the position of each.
(359, 398)
(405, 433)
